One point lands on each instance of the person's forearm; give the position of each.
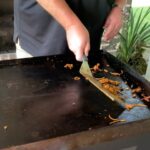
(77, 35)
(121, 3)
(60, 10)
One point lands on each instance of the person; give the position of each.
(50, 27)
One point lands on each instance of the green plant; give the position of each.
(135, 39)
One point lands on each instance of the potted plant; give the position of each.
(135, 39)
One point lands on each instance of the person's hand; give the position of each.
(113, 24)
(78, 40)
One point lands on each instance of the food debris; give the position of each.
(146, 98)
(68, 66)
(104, 80)
(105, 70)
(137, 90)
(114, 82)
(112, 89)
(5, 127)
(110, 85)
(96, 67)
(76, 78)
(107, 65)
(115, 120)
(131, 106)
(133, 95)
(90, 128)
(86, 78)
(127, 89)
(143, 94)
(115, 73)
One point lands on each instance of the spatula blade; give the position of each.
(86, 72)
(85, 68)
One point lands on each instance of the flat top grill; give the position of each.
(40, 99)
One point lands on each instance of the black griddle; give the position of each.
(39, 99)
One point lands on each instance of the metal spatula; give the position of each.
(86, 72)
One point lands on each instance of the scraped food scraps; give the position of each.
(104, 80)
(68, 66)
(76, 78)
(115, 73)
(115, 120)
(137, 90)
(131, 106)
(110, 85)
(96, 68)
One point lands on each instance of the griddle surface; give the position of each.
(39, 99)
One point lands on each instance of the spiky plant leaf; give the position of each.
(135, 38)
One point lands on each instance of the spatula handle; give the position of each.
(84, 58)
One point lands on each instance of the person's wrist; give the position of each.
(117, 6)
(74, 23)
